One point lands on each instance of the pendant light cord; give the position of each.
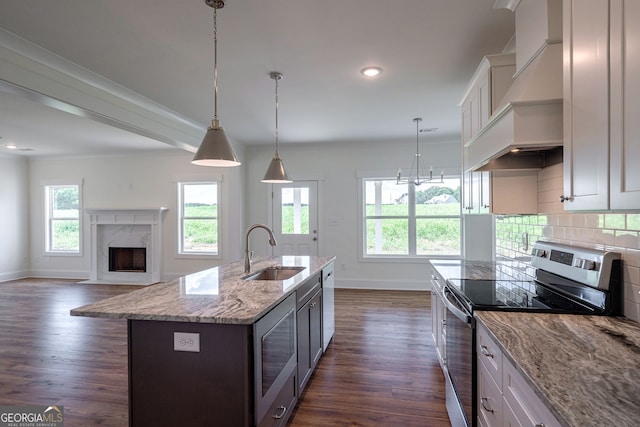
(216, 120)
(417, 120)
(277, 154)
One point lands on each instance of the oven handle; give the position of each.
(454, 307)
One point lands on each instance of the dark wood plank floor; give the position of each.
(380, 369)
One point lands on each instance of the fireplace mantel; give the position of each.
(125, 228)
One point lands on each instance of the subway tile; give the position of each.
(565, 220)
(633, 222)
(615, 221)
(591, 220)
(604, 236)
(586, 235)
(632, 310)
(571, 233)
(557, 232)
(577, 220)
(632, 257)
(631, 292)
(626, 239)
(631, 275)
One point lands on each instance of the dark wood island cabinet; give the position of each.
(214, 349)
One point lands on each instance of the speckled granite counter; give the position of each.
(217, 295)
(585, 368)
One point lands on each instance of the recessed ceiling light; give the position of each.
(11, 145)
(371, 71)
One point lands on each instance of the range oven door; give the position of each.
(460, 362)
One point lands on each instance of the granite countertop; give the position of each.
(483, 270)
(216, 295)
(585, 368)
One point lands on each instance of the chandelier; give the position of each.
(417, 166)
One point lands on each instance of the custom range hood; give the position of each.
(525, 130)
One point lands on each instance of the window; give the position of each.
(295, 210)
(62, 219)
(198, 223)
(409, 220)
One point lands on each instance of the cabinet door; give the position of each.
(467, 192)
(625, 108)
(586, 104)
(309, 324)
(485, 192)
(304, 356)
(489, 399)
(315, 329)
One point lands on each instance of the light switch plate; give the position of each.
(185, 341)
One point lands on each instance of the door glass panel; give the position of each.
(295, 210)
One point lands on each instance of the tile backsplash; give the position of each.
(617, 232)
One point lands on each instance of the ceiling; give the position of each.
(163, 50)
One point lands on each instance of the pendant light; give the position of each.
(276, 174)
(215, 150)
(418, 165)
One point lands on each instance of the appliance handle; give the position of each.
(454, 306)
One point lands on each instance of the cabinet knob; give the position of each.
(565, 199)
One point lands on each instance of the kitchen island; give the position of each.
(212, 348)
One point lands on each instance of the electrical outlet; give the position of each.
(184, 341)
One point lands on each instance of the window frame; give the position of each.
(181, 253)
(412, 218)
(48, 188)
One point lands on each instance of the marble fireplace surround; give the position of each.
(129, 228)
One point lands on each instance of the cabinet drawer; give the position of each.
(307, 290)
(522, 399)
(489, 399)
(282, 406)
(489, 353)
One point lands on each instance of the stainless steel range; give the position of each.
(567, 280)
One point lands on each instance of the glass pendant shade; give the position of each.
(215, 150)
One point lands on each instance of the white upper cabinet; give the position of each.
(601, 106)
(487, 87)
(624, 190)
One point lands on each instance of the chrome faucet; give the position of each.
(248, 254)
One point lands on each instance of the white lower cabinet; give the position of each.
(505, 399)
(438, 310)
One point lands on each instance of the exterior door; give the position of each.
(295, 218)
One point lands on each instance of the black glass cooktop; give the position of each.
(514, 295)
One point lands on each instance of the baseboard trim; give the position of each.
(386, 285)
(5, 277)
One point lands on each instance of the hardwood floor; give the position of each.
(380, 368)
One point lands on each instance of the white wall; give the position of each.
(337, 167)
(133, 181)
(14, 217)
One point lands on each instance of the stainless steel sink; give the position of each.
(276, 272)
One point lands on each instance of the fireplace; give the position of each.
(126, 246)
(132, 260)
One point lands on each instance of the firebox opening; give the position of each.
(130, 260)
